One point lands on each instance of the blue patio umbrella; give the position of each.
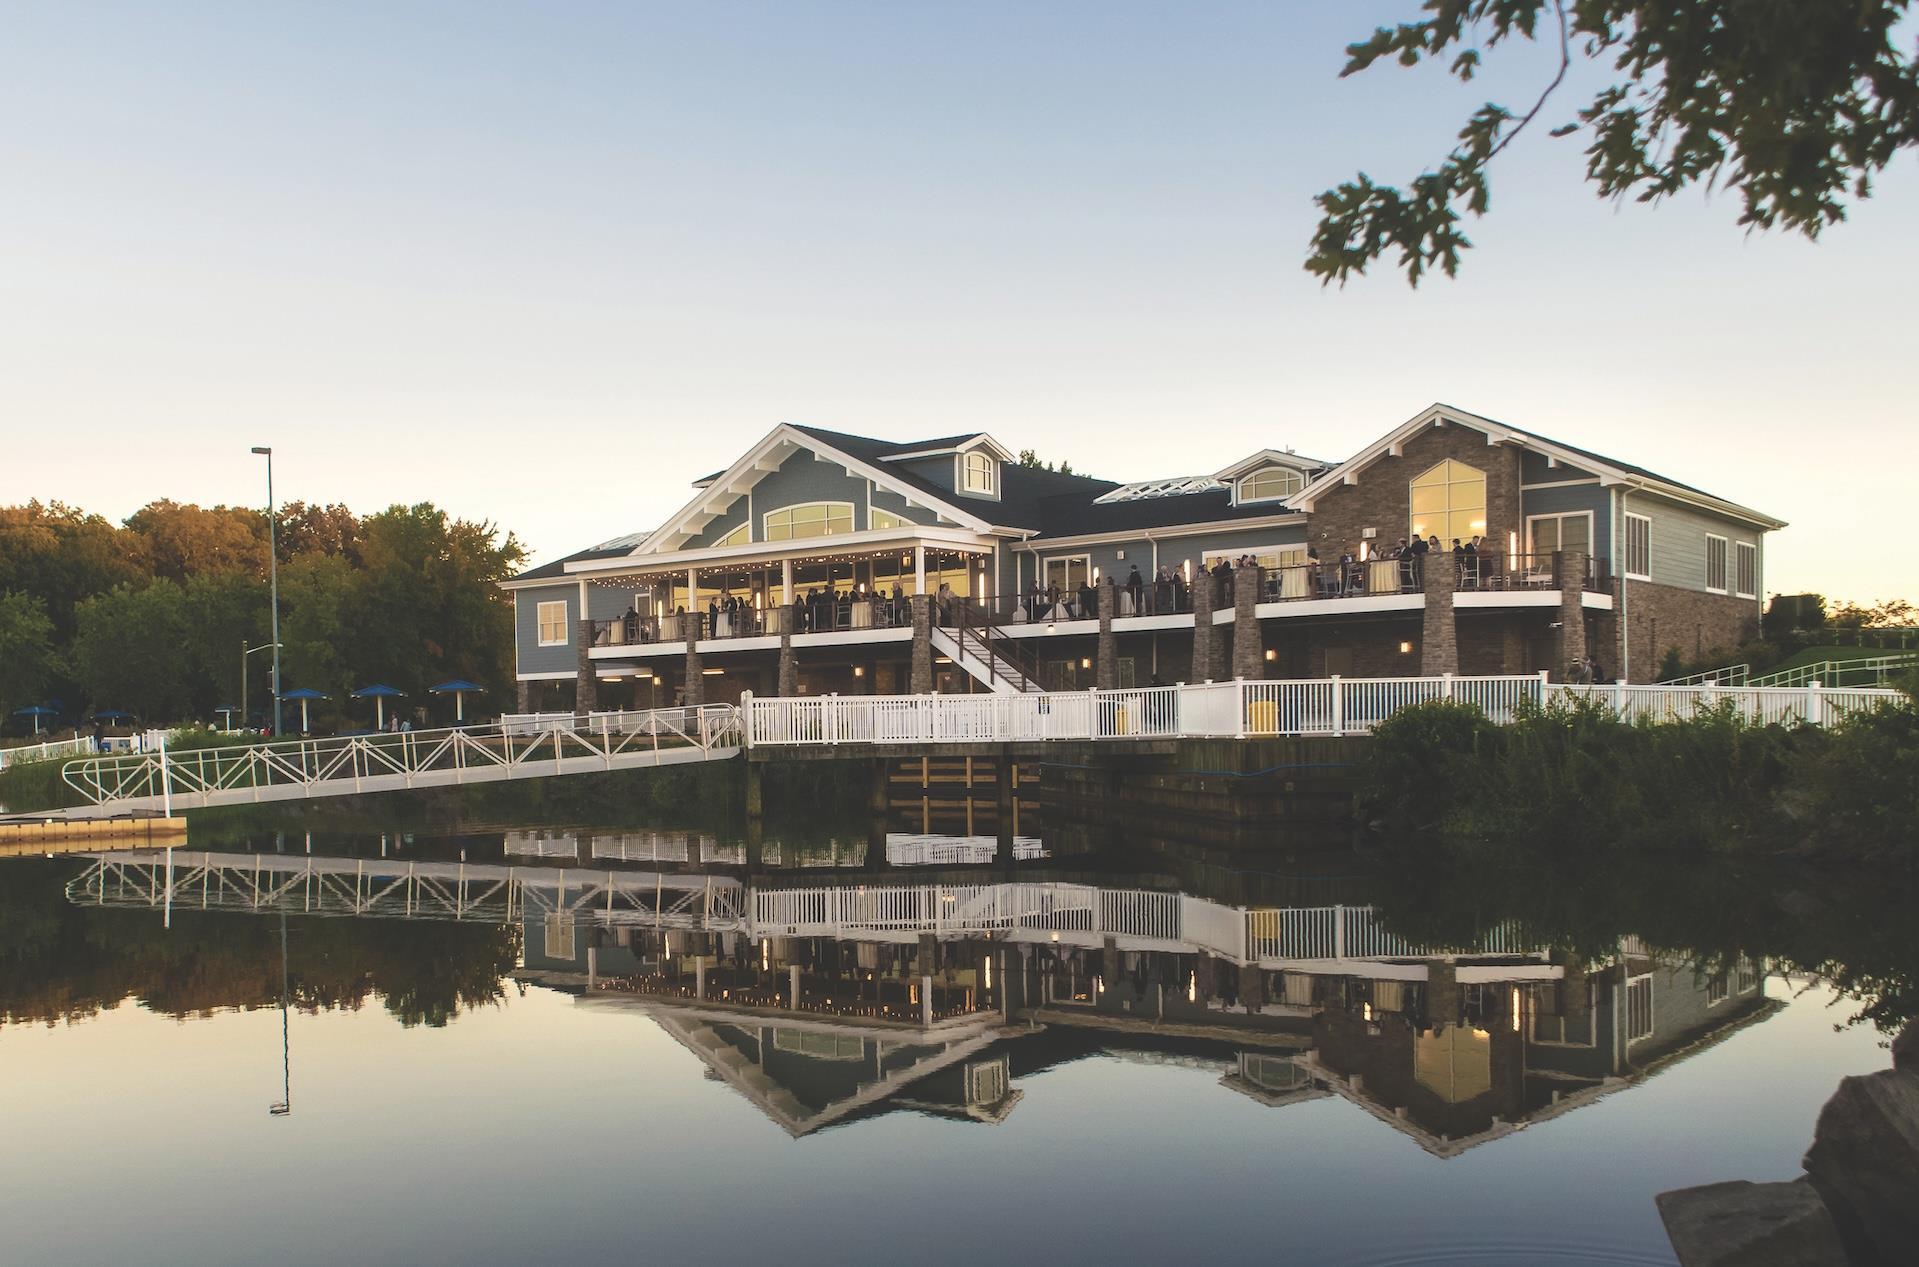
(379, 693)
(457, 688)
(36, 711)
(112, 714)
(305, 695)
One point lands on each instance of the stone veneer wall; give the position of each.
(1382, 498)
(1661, 617)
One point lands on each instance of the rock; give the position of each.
(1741, 1224)
(1864, 1161)
(1905, 1048)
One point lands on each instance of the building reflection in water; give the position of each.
(834, 999)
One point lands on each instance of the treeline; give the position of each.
(149, 616)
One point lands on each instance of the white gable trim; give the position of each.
(1265, 458)
(763, 459)
(1437, 415)
(980, 441)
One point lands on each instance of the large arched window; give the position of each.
(814, 519)
(1269, 484)
(738, 537)
(877, 519)
(1449, 501)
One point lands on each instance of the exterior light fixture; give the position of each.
(1271, 655)
(859, 670)
(1512, 551)
(1085, 662)
(1405, 648)
(711, 672)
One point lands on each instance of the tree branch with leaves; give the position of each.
(1795, 104)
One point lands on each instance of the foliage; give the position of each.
(1029, 458)
(1712, 784)
(151, 617)
(1793, 105)
(26, 651)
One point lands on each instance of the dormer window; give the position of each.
(1270, 484)
(979, 474)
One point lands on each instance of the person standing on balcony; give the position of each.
(1135, 588)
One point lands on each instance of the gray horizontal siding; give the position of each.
(1679, 542)
(530, 656)
(1138, 552)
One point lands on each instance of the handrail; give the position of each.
(1831, 672)
(516, 746)
(1731, 675)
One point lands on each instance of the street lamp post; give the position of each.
(273, 571)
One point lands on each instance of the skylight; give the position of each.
(1144, 490)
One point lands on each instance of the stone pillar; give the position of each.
(1204, 670)
(879, 787)
(1571, 566)
(1003, 803)
(1249, 645)
(695, 680)
(1439, 636)
(755, 791)
(585, 694)
(523, 695)
(789, 664)
(922, 645)
(1106, 667)
(1205, 977)
(1109, 960)
(1442, 993)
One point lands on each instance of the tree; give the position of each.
(62, 555)
(330, 530)
(1029, 459)
(26, 650)
(129, 650)
(185, 540)
(1795, 105)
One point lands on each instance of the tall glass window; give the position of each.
(1270, 484)
(1449, 501)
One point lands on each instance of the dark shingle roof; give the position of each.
(1074, 516)
(1629, 467)
(1022, 488)
(557, 568)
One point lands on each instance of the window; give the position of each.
(1272, 558)
(1748, 555)
(877, 519)
(552, 618)
(1639, 1019)
(979, 473)
(1269, 484)
(1715, 564)
(1449, 501)
(738, 537)
(1571, 531)
(1068, 572)
(815, 519)
(1639, 547)
(1717, 989)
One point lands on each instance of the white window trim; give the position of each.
(745, 525)
(539, 622)
(959, 474)
(1725, 564)
(1625, 564)
(1587, 515)
(1750, 548)
(1239, 499)
(766, 535)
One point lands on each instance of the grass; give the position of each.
(1820, 655)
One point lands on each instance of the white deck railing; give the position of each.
(1248, 709)
(76, 747)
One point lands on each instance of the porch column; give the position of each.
(523, 695)
(1439, 635)
(786, 582)
(1571, 568)
(695, 680)
(1252, 987)
(1202, 591)
(585, 697)
(922, 683)
(919, 569)
(1249, 649)
(1512, 646)
(1106, 667)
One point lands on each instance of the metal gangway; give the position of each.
(347, 765)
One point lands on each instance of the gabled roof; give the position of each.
(1073, 515)
(1022, 488)
(1270, 457)
(556, 570)
(1609, 470)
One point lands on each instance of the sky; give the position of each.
(546, 264)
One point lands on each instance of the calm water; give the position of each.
(629, 1044)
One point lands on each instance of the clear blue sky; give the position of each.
(545, 264)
